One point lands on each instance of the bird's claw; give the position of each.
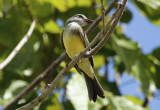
(77, 56)
(87, 54)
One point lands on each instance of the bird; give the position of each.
(74, 40)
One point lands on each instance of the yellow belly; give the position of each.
(74, 45)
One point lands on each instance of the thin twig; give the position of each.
(54, 83)
(37, 80)
(92, 9)
(103, 16)
(106, 37)
(96, 49)
(98, 19)
(28, 10)
(145, 103)
(18, 47)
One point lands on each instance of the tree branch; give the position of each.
(106, 37)
(35, 82)
(146, 100)
(98, 19)
(103, 17)
(18, 47)
(100, 35)
(54, 83)
(28, 10)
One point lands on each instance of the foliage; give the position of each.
(43, 47)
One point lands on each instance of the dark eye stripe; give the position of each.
(80, 16)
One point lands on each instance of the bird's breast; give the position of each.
(73, 44)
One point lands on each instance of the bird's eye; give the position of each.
(80, 16)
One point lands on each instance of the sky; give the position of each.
(140, 30)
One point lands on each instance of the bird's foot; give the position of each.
(77, 56)
(66, 65)
(87, 54)
(48, 85)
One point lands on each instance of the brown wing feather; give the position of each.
(61, 38)
(85, 42)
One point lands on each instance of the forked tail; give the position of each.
(94, 88)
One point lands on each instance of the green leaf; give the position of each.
(118, 64)
(59, 4)
(99, 59)
(10, 34)
(156, 53)
(77, 92)
(83, 3)
(150, 8)
(15, 87)
(40, 8)
(51, 103)
(122, 103)
(156, 62)
(126, 49)
(98, 105)
(5, 5)
(51, 27)
(68, 105)
(157, 76)
(144, 70)
(71, 3)
(127, 16)
(135, 100)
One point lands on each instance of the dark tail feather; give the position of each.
(94, 88)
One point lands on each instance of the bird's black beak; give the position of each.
(88, 21)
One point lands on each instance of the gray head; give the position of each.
(80, 19)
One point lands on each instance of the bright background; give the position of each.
(140, 30)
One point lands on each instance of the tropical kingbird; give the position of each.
(74, 40)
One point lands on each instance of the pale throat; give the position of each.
(73, 25)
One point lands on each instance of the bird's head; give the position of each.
(80, 19)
